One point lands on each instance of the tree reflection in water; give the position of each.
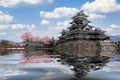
(80, 65)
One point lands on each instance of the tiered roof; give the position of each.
(81, 29)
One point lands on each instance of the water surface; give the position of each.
(42, 65)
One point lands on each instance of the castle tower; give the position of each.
(81, 30)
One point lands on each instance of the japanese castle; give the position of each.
(81, 30)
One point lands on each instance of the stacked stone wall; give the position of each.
(87, 48)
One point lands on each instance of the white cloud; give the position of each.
(5, 18)
(53, 31)
(114, 26)
(59, 12)
(113, 29)
(44, 22)
(3, 27)
(22, 26)
(17, 26)
(108, 29)
(13, 3)
(3, 33)
(95, 16)
(60, 26)
(104, 6)
(33, 26)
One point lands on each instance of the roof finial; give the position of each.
(80, 12)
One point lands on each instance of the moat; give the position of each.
(49, 65)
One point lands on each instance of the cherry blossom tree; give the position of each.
(46, 39)
(27, 36)
(36, 39)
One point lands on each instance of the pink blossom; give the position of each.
(26, 36)
(46, 39)
(36, 39)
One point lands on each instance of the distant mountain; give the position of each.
(115, 38)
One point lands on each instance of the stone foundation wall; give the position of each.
(108, 48)
(79, 48)
(118, 46)
(86, 48)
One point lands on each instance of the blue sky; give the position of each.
(49, 17)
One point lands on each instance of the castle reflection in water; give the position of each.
(25, 60)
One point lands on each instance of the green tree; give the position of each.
(4, 42)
